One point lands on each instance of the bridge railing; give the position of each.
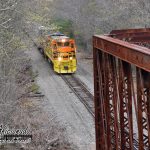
(121, 94)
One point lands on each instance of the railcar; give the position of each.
(60, 50)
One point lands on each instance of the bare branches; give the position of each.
(9, 45)
(9, 7)
(5, 22)
(6, 13)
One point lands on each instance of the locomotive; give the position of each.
(60, 50)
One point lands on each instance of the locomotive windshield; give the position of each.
(63, 44)
(66, 44)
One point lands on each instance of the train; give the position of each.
(60, 50)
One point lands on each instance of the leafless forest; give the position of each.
(78, 18)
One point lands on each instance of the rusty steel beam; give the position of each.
(134, 54)
(122, 31)
(98, 101)
(132, 35)
(125, 105)
(121, 94)
(143, 80)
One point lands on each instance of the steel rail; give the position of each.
(78, 87)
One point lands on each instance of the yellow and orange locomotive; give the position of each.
(60, 50)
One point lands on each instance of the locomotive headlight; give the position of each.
(63, 40)
(70, 58)
(59, 58)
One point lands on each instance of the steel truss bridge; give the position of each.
(122, 89)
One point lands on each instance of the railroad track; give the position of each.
(78, 87)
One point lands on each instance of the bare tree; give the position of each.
(11, 58)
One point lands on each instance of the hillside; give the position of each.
(29, 88)
(100, 16)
